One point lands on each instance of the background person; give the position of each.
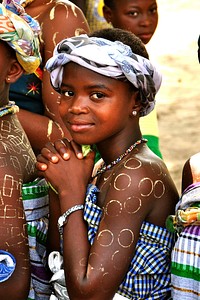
(141, 18)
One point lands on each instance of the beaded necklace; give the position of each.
(117, 160)
(9, 108)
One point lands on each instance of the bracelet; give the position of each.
(62, 220)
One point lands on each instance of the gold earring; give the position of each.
(8, 79)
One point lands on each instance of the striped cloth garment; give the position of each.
(36, 207)
(185, 258)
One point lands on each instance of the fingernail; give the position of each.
(54, 158)
(65, 156)
(79, 155)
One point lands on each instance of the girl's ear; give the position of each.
(14, 72)
(136, 105)
(107, 13)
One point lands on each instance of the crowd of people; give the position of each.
(88, 207)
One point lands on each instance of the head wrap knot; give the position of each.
(21, 32)
(112, 59)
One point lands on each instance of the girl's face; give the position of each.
(138, 16)
(93, 107)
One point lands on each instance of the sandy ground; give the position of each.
(174, 49)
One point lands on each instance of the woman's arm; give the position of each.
(58, 22)
(81, 4)
(13, 234)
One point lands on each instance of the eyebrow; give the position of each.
(95, 86)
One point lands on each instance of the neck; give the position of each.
(110, 150)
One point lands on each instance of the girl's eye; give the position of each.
(97, 96)
(153, 10)
(67, 93)
(133, 13)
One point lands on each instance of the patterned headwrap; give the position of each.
(112, 59)
(20, 31)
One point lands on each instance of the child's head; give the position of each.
(138, 16)
(109, 58)
(103, 84)
(19, 44)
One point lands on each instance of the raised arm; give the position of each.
(57, 21)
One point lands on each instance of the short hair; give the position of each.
(124, 36)
(110, 3)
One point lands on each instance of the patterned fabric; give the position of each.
(36, 207)
(27, 93)
(185, 266)
(112, 59)
(187, 210)
(7, 265)
(20, 31)
(94, 15)
(148, 276)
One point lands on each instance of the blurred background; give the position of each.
(173, 49)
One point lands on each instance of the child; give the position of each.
(23, 223)
(186, 222)
(185, 266)
(141, 18)
(112, 225)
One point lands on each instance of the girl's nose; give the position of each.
(145, 20)
(78, 106)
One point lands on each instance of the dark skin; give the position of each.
(47, 12)
(81, 4)
(95, 114)
(17, 167)
(190, 172)
(137, 16)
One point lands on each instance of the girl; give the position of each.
(112, 222)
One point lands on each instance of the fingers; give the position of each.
(63, 148)
(77, 150)
(41, 163)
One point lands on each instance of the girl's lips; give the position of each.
(145, 36)
(80, 127)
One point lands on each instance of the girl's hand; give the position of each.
(62, 165)
(51, 151)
